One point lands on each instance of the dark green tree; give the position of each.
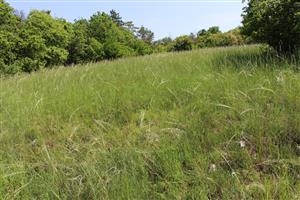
(182, 43)
(116, 18)
(130, 26)
(275, 22)
(201, 32)
(83, 47)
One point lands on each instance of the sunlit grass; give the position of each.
(218, 123)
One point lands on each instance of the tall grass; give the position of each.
(218, 123)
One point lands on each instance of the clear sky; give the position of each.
(164, 18)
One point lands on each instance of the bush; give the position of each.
(141, 48)
(56, 56)
(8, 69)
(182, 43)
(214, 38)
(94, 51)
(115, 50)
(28, 65)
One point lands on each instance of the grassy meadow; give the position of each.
(219, 123)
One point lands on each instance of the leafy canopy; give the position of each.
(275, 22)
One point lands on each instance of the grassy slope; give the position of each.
(154, 127)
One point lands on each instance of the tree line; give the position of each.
(38, 40)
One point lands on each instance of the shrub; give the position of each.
(28, 65)
(56, 56)
(116, 50)
(182, 43)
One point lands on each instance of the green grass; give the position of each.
(166, 126)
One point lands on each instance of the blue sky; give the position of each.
(163, 18)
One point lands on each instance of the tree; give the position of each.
(213, 30)
(8, 20)
(56, 34)
(9, 38)
(78, 43)
(93, 51)
(163, 45)
(275, 22)
(31, 51)
(83, 47)
(116, 18)
(145, 34)
(201, 32)
(102, 27)
(192, 36)
(130, 26)
(182, 43)
(235, 37)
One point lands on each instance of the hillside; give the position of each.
(217, 123)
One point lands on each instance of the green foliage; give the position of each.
(145, 34)
(8, 21)
(102, 28)
(8, 42)
(235, 37)
(116, 50)
(27, 64)
(117, 19)
(182, 43)
(9, 38)
(56, 34)
(213, 30)
(56, 56)
(38, 41)
(141, 48)
(94, 51)
(163, 45)
(275, 22)
(42, 41)
(79, 43)
(213, 37)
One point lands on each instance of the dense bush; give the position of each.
(182, 43)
